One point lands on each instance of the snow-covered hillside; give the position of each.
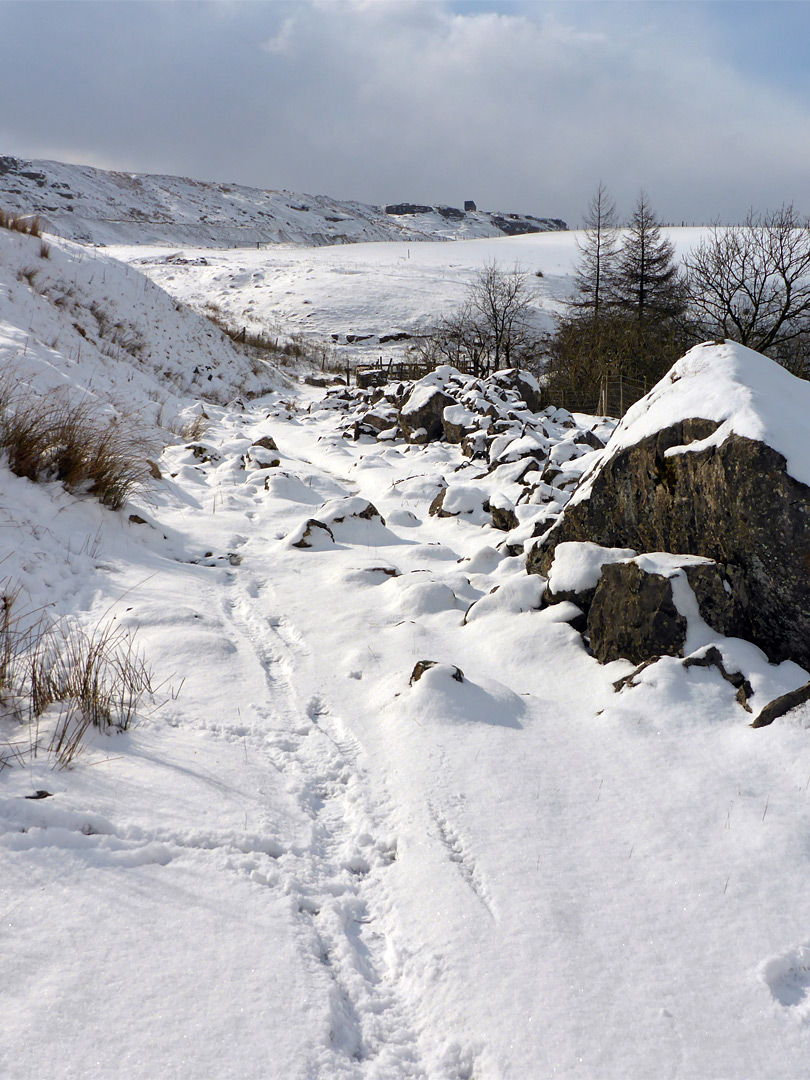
(100, 207)
(366, 300)
(302, 862)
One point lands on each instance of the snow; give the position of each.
(298, 866)
(96, 206)
(577, 566)
(745, 393)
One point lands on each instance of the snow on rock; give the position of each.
(740, 391)
(577, 567)
(713, 463)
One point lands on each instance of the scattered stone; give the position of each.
(503, 513)
(309, 530)
(204, 454)
(421, 416)
(154, 470)
(712, 657)
(782, 705)
(424, 665)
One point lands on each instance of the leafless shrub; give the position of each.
(44, 250)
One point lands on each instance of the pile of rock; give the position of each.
(521, 460)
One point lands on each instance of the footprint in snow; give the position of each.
(787, 976)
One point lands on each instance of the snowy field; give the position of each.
(362, 289)
(298, 865)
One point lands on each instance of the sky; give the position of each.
(520, 106)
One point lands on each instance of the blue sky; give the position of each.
(518, 105)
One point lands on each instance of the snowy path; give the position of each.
(303, 867)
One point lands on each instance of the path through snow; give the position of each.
(301, 866)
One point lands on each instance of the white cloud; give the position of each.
(281, 42)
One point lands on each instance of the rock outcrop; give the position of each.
(701, 484)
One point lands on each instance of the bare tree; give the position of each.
(499, 300)
(455, 339)
(598, 252)
(751, 283)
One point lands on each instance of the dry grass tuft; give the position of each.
(49, 438)
(59, 682)
(30, 226)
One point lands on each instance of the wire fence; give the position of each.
(613, 396)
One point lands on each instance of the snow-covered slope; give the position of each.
(299, 864)
(100, 207)
(77, 319)
(361, 298)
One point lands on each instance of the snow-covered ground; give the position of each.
(298, 865)
(362, 290)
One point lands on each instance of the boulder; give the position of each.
(368, 377)
(712, 463)
(421, 416)
(503, 513)
(527, 387)
(458, 422)
(633, 616)
(313, 533)
(782, 705)
(474, 445)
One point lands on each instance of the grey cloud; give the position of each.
(521, 108)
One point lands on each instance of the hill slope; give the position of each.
(99, 207)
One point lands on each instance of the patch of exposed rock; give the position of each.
(699, 487)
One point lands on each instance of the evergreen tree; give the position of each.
(646, 281)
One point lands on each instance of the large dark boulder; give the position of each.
(734, 503)
(421, 416)
(635, 614)
(712, 462)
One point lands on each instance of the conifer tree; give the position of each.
(646, 281)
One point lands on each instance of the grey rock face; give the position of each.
(734, 503)
(633, 616)
(424, 423)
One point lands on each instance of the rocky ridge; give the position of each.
(98, 206)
